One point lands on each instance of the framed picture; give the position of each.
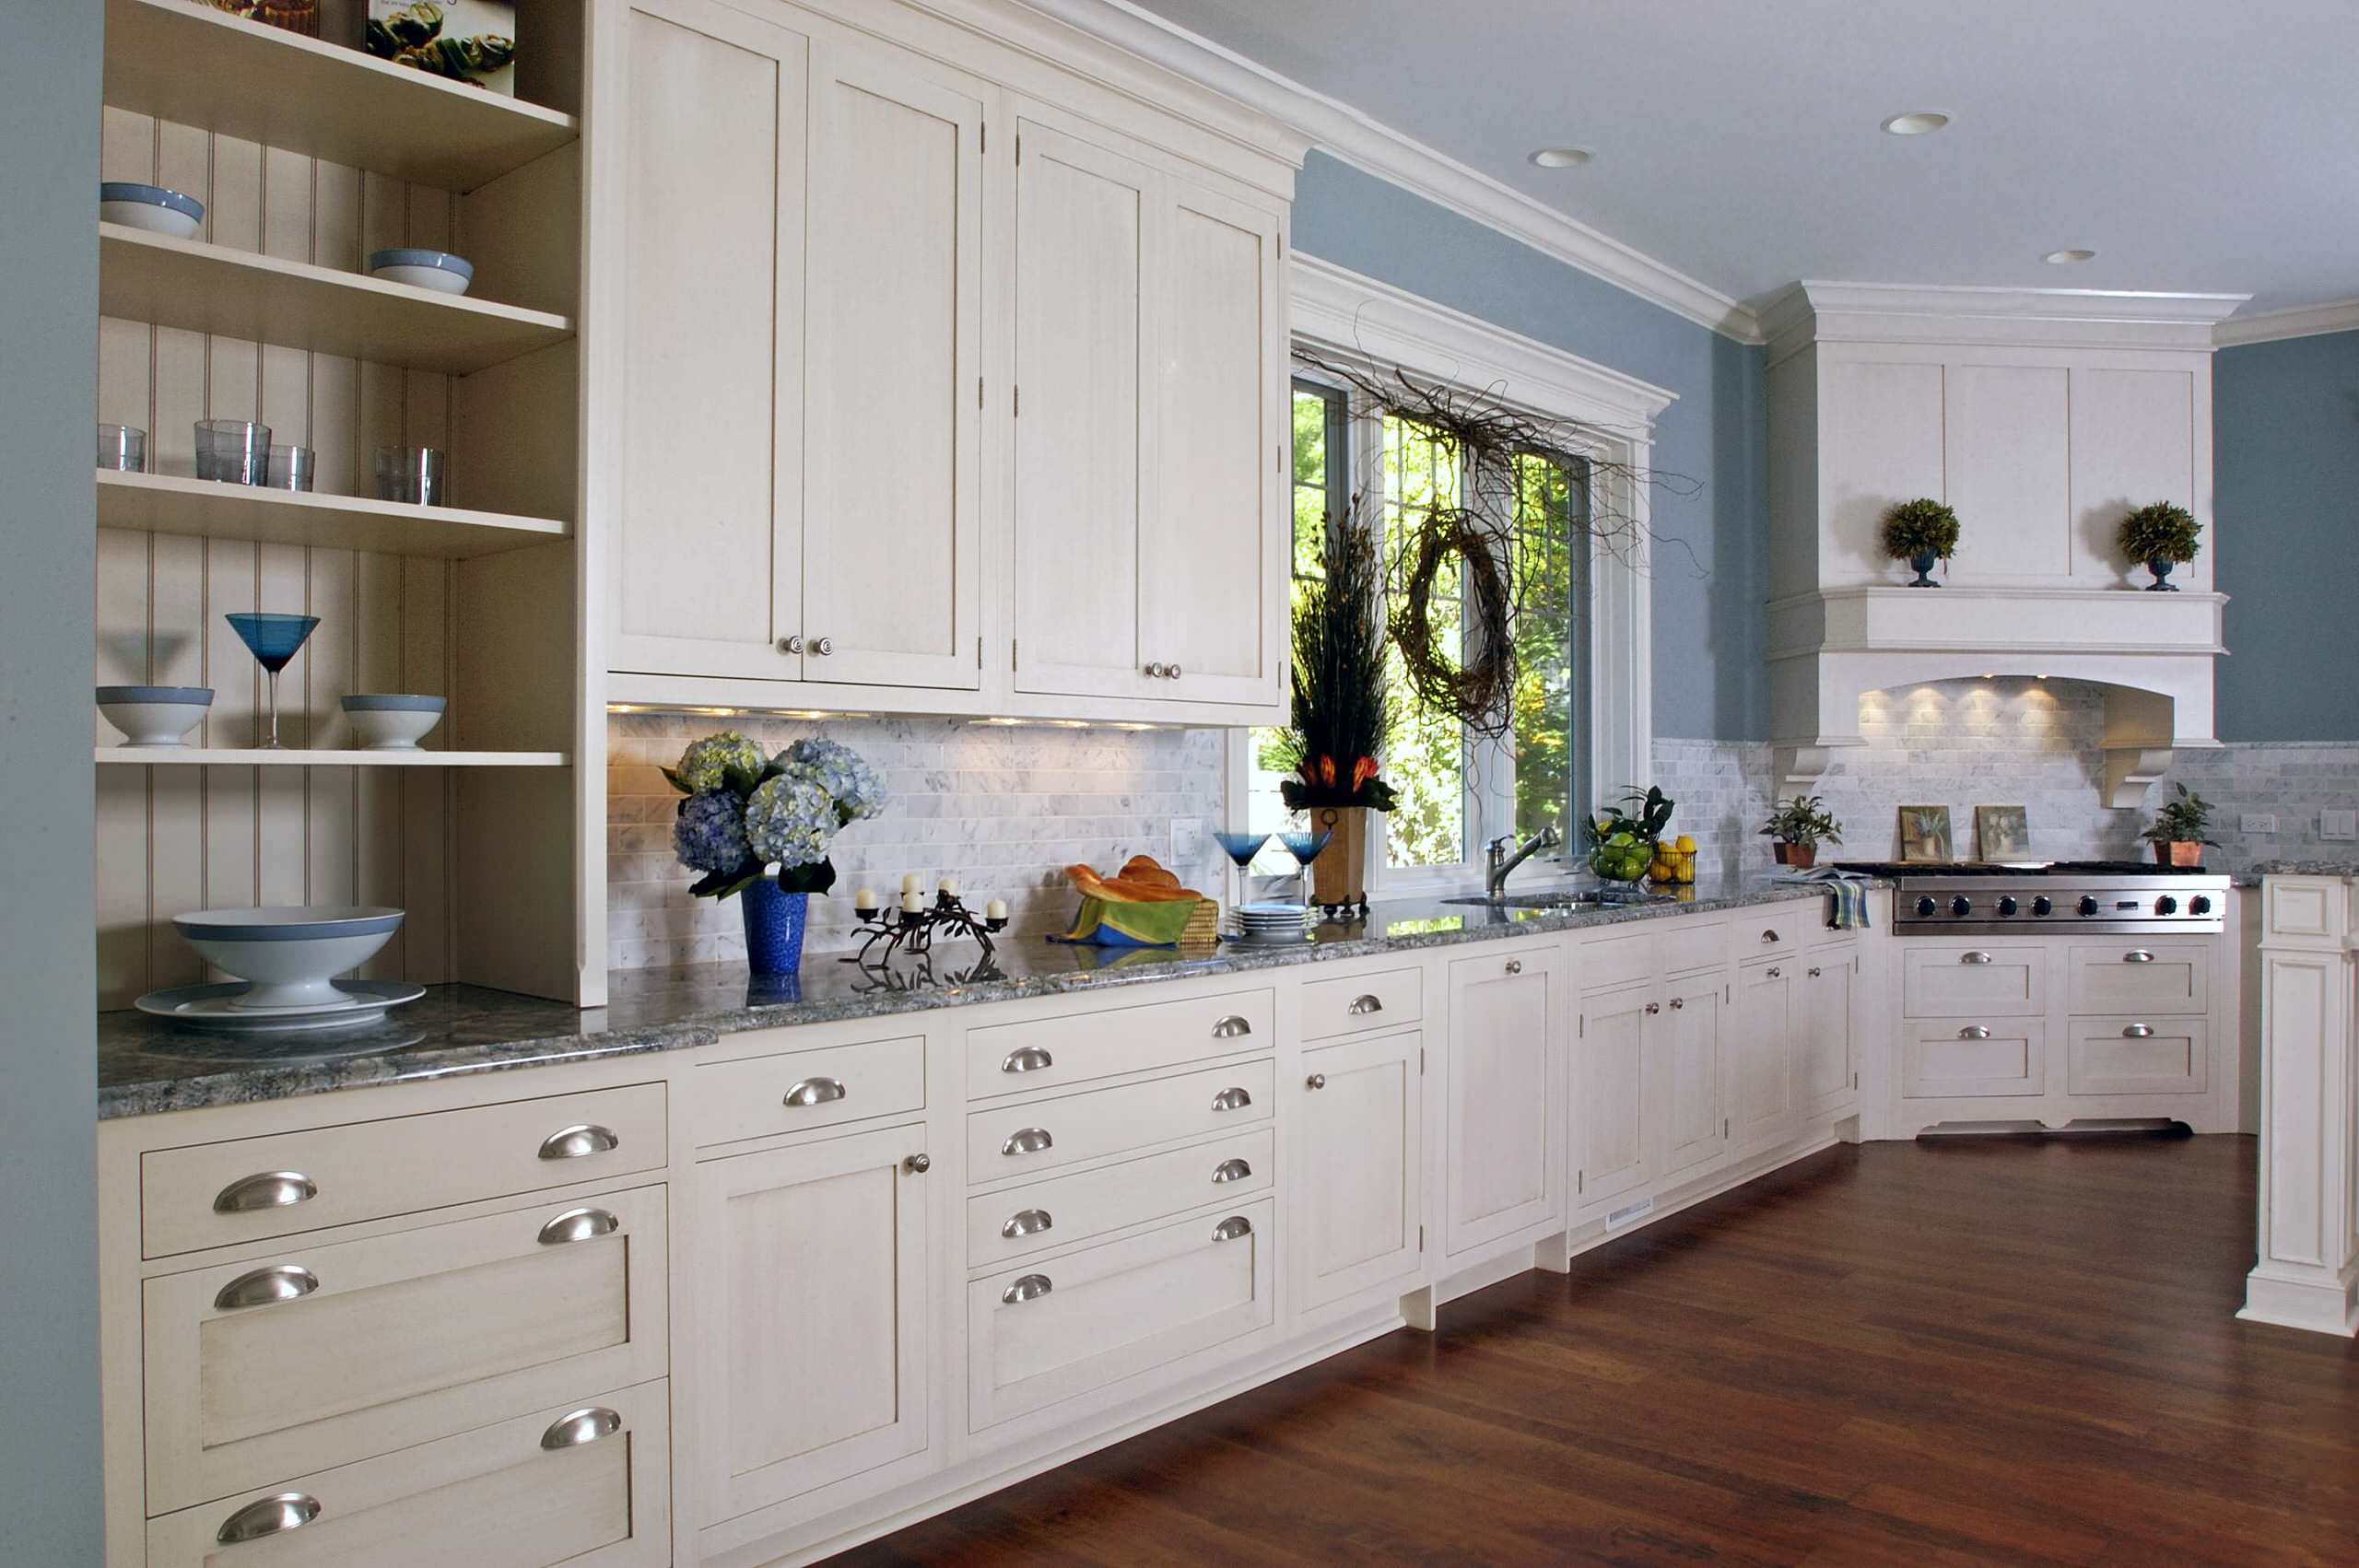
(2002, 833)
(1925, 834)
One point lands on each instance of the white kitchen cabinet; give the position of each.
(1615, 1094)
(1505, 1163)
(1691, 1058)
(1829, 1009)
(811, 1316)
(1764, 1089)
(1359, 1219)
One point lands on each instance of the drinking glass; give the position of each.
(233, 451)
(274, 640)
(1240, 849)
(290, 468)
(122, 448)
(420, 475)
(1305, 848)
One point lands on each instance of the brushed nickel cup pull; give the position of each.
(270, 1189)
(1364, 1004)
(1031, 1287)
(585, 1425)
(580, 1141)
(1231, 1170)
(917, 1165)
(790, 645)
(1976, 956)
(1974, 1032)
(824, 646)
(1230, 1027)
(1031, 1058)
(1771, 936)
(262, 1287)
(1677, 1002)
(2137, 1032)
(814, 1092)
(579, 1224)
(1316, 1081)
(268, 1516)
(1231, 1099)
(1028, 1140)
(2137, 955)
(1027, 1223)
(1231, 1228)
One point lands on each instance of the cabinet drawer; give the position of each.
(581, 1483)
(396, 1340)
(1042, 1333)
(1038, 1215)
(1014, 1140)
(252, 1188)
(2138, 1055)
(1971, 980)
(1689, 946)
(2131, 976)
(1007, 1059)
(796, 1090)
(1362, 1002)
(1608, 962)
(1775, 930)
(1952, 1061)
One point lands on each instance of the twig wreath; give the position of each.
(1474, 680)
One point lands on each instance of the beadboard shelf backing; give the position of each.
(163, 503)
(244, 294)
(190, 64)
(293, 757)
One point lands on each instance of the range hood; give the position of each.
(2042, 416)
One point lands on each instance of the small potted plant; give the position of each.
(1339, 709)
(1621, 842)
(1921, 532)
(1796, 828)
(744, 813)
(2177, 834)
(2163, 535)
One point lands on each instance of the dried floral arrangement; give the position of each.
(1340, 705)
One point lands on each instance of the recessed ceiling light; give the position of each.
(1562, 157)
(1917, 123)
(2067, 258)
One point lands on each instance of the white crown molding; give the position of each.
(1814, 311)
(1344, 314)
(2309, 321)
(1377, 149)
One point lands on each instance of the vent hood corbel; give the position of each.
(2042, 416)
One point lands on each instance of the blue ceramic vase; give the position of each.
(774, 920)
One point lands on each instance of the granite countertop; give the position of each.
(2304, 868)
(148, 1065)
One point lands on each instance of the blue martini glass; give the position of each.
(274, 640)
(1242, 848)
(1305, 848)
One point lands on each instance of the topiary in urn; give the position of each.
(1921, 532)
(2163, 535)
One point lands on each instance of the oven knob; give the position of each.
(2043, 905)
(1961, 906)
(2008, 905)
(2199, 905)
(2166, 905)
(2088, 905)
(1926, 907)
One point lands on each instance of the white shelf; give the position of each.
(163, 503)
(213, 288)
(240, 757)
(186, 62)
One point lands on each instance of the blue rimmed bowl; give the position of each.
(438, 270)
(150, 207)
(288, 954)
(154, 715)
(392, 721)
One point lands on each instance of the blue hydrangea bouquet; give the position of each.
(760, 826)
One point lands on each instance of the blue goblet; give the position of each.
(274, 640)
(1305, 848)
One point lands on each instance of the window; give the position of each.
(1424, 756)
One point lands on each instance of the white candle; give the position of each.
(997, 909)
(910, 883)
(912, 903)
(864, 900)
(949, 886)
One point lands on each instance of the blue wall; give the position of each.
(1707, 631)
(2286, 498)
(48, 1444)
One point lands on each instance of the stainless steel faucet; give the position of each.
(1500, 862)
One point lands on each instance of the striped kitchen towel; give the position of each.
(1848, 890)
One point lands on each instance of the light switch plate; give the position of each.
(2259, 821)
(2338, 824)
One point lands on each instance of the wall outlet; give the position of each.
(1187, 839)
(2339, 825)
(2259, 821)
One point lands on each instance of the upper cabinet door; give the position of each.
(705, 578)
(892, 493)
(1084, 431)
(1213, 546)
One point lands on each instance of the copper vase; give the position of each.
(2178, 853)
(1339, 875)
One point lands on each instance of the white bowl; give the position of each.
(391, 721)
(289, 954)
(151, 207)
(154, 715)
(437, 270)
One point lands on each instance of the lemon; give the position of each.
(1685, 845)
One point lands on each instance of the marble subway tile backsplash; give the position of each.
(1003, 808)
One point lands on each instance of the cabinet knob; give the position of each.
(1776, 974)
(1653, 1008)
(1155, 672)
(271, 1189)
(1171, 672)
(1027, 1223)
(1030, 1058)
(1815, 973)
(813, 1092)
(1236, 1225)
(790, 644)
(1231, 1099)
(1231, 1170)
(268, 1516)
(579, 1142)
(1514, 965)
(1031, 1287)
(579, 1224)
(1316, 1081)
(587, 1425)
(1679, 1001)
(824, 646)
(262, 1287)
(1028, 1140)
(917, 1165)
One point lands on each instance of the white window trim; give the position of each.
(1351, 318)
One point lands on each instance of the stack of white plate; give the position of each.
(1273, 922)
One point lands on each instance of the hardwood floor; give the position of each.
(1968, 1352)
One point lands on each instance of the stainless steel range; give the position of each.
(2117, 897)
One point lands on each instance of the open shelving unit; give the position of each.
(200, 508)
(296, 756)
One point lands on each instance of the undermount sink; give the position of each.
(1569, 899)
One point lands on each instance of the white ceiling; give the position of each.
(2196, 145)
